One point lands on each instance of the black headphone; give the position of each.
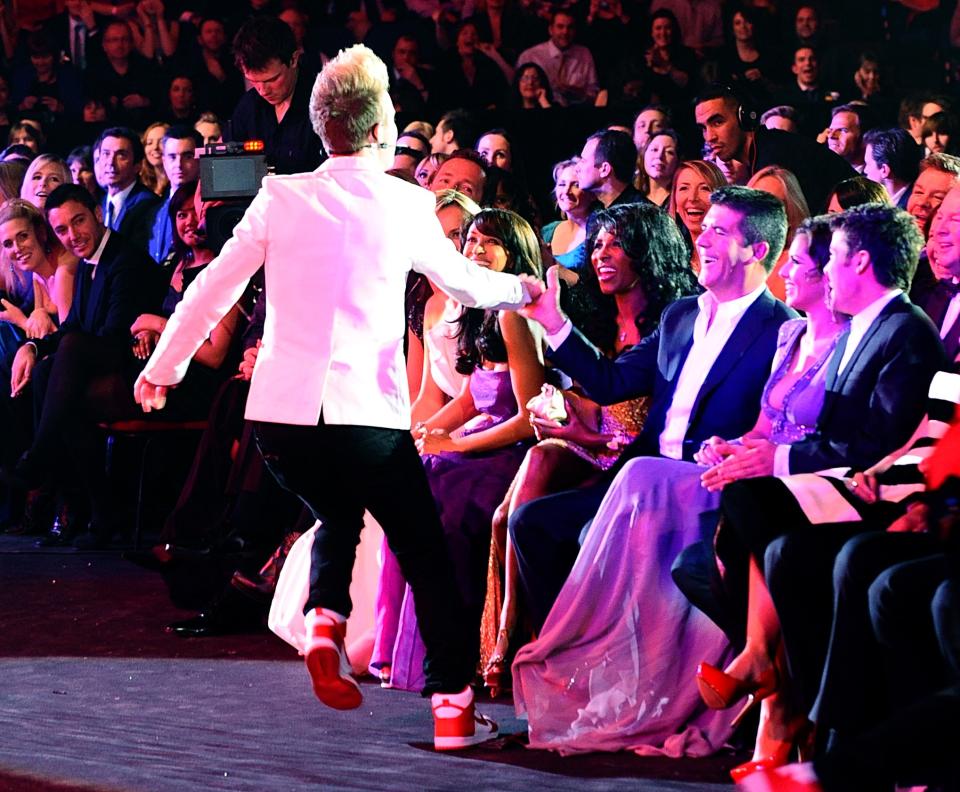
(748, 117)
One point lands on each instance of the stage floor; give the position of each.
(94, 695)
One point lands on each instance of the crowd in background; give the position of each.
(676, 159)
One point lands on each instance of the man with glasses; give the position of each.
(275, 109)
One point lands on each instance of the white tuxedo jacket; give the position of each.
(337, 245)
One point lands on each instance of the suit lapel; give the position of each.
(742, 338)
(682, 341)
(96, 286)
(835, 358)
(894, 306)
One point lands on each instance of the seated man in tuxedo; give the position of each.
(115, 283)
(705, 368)
(129, 207)
(876, 394)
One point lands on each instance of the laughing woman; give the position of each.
(473, 446)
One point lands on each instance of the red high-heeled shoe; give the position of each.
(801, 743)
(719, 690)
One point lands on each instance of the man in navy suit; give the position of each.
(128, 207)
(705, 367)
(115, 284)
(876, 394)
(892, 158)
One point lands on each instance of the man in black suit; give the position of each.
(705, 368)
(876, 393)
(115, 283)
(129, 207)
(892, 158)
(76, 34)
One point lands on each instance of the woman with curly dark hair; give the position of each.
(474, 444)
(638, 267)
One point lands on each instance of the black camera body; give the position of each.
(230, 175)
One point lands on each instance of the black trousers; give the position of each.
(340, 471)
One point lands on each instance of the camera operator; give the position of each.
(275, 109)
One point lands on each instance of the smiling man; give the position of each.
(115, 283)
(939, 173)
(705, 369)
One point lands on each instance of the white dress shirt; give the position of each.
(116, 202)
(712, 329)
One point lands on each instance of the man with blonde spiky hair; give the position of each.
(329, 392)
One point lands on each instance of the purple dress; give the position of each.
(613, 667)
(467, 489)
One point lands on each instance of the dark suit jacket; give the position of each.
(873, 406)
(729, 399)
(58, 28)
(135, 222)
(127, 284)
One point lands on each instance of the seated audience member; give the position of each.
(671, 67)
(723, 372)
(748, 59)
(75, 33)
(605, 168)
(128, 206)
(180, 100)
(469, 76)
(939, 173)
(651, 119)
(454, 131)
(940, 134)
(45, 85)
(115, 283)
(855, 191)
(782, 117)
(702, 25)
(178, 149)
(275, 109)
(29, 245)
(567, 236)
(427, 169)
(503, 358)
(655, 507)
(870, 88)
(191, 255)
(123, 76)
(910, 115)
(807, 93)
(784, 185)
(496, 148)
(80, 162)
(658, 165)
(216, 75)
(941, 300)
(29, 135)
(43, 176)
(530, 89)
(693, 184)
(892, 159)
(464, 171)
(156, 31)
(411, 148)
(507, 190)
(637, 260)
(569, 67)
(208, 125)
(848, 124)
(412, 83)
(151, 168)
(877, 382)
(884, 652)
(739, 150)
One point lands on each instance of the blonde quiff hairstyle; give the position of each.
(348, 99)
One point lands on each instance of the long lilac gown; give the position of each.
(467, 489)
(613, 667)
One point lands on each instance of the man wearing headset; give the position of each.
(739, 147)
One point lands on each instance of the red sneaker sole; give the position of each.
(334, 690)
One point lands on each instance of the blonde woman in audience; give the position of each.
(784, 185)
(690, 198)
(152, 173)
(43, 176)
(30, 249)
(567, 236)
